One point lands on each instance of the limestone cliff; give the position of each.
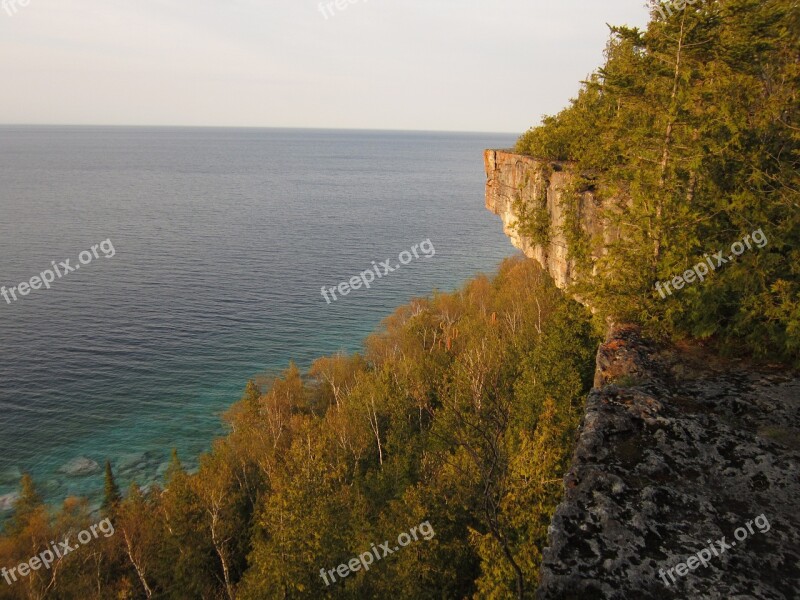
(518, 184)
(677, 449)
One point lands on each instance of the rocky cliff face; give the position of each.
(517, 184)
(680, 455)
(686, 473)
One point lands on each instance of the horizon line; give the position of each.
(364, 129)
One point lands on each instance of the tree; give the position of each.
(252, 393)
(111, 495)
(26, 507)
(691, 133)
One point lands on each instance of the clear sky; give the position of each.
(452, 65)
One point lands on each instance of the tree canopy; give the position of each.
(691, 137)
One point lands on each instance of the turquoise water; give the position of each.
(222, 239)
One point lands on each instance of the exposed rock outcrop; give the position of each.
(517, 183)
(80, 467)
(7, 501)
(677, 450)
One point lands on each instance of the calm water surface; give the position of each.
(223, 239)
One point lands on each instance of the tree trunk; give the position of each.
(220, 550)
(373, 422)
(495, 529)
(665, 154)
(137, 567)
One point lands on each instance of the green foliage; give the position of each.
(579, 245)
(111, 493)
(534, 220)
(252, 394)
(26, 507)
(572, 132)
(460, 413)
(692, 129)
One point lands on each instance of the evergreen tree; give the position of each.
(691, 134)
(175, 469)
(251, 394)
(27, 505)
(111, 495)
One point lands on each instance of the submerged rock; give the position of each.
(162, 469)
(7, 501)
(80, 467)
(10, 475)
(132, 462)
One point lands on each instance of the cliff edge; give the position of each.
(684, 481)
(686, 472)
(518, 184)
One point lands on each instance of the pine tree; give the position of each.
(175, 468)
(112, 494)
(690, 132)
(29, 502)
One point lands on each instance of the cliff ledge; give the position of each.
(518, 184)
(678, 450)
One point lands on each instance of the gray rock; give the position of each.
(80, 467)
(7, 501)
(132, 462)
(677, 449)
(51, 486)
(162, 469)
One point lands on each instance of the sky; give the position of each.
(440, 65)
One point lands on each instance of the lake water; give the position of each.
(223, 239)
